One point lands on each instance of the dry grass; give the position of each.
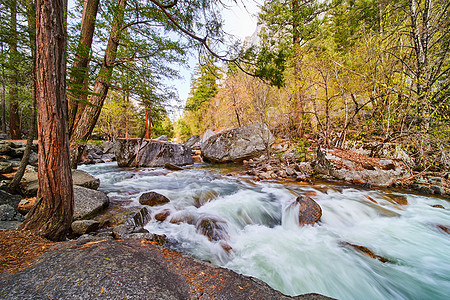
(18, 249)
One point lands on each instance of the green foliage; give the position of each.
(302, 150)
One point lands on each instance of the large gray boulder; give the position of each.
(88, 202)
(193, 141)
(357, 168)
(150, 153)
(81, 178)
(238, 144)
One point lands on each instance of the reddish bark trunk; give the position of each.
(77, 95)
(51, 217)
(14, 119)
(91, 113)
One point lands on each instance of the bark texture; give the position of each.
(14, 119)
(51, 217)
(78, 93)
(91, 113)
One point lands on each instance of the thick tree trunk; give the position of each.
(51, 217)
(31, 18)
(78, 85)
(14, 119)
(91, 113)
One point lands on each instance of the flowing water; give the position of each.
(259, 223)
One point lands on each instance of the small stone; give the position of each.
(435, 181)
(444, 228)
(438, 206)
(422, 189)
(153, 199)
(438, 190)
(396, 199)
(162, 216)
(172, 167)
(81, 227)
(290, 172)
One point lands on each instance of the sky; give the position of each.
(240, 21)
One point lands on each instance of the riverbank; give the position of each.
(124, 269)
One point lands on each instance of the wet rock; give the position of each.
(162, 216)
(150, 153)
(368, 252)
(140, 218)
(238, 144)
(438, 206)
(6, 167)
(193, 141)
(182, 217)
(88, 202)
(109, 157)
(309, 211)
(214, 229)
(81, 227)
(422, 189)
(438, 190)
(444, 228)
(204, 197)
(351, 166)
(153, 199)
(172, 167)
(396, 199)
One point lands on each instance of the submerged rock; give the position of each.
(172, 167)
(238, 144)
(396, 199)
(153, 199)
(368, 252)
(309, 211)
(162, 215)
(354, 167)
(214, 229)
(150, 153)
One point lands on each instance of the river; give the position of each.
(261, 227)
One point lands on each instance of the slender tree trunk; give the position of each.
(14, 119)
(91, 113)
(147, 134)
(3, 107)
(51, 217)
(298, 101)
(78, 85)
(31, 18)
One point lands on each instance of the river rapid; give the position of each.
(262, 229)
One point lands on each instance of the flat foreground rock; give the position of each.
(129, 269)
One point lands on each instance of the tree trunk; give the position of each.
(78, 85)
(31, 18)
(51, 217)
(14, 119)
(296, 39)
(91, 113)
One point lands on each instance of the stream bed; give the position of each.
(260, 224)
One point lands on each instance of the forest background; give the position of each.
(328, 73)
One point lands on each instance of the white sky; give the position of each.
(240, 21)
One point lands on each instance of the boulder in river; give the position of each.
(150, 153)
(309, 211)
(214, 229)
(354, 167)
(238, 144)
(193, 141)
(153, 199)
